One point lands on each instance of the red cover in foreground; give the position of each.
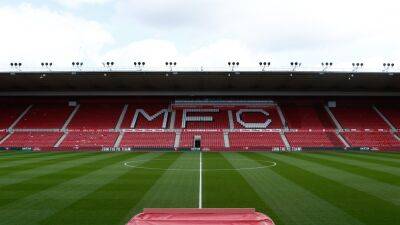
(200, 217)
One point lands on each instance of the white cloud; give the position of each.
(76, 3)
(308, 30)
(33, 35)
(153, 52)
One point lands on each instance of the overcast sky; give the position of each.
(200, 32)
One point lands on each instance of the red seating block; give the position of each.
(32, 139)
(46, 116)
(371, 139)
(148, 139)
(9, 113)
(96, 116)
(392, 114)
(307, 117)
(89, 139)
(313, 139)
(255, 140)
(359, 118)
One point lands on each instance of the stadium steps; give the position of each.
(20, 117)
(68, 121)
(342, 139)
(285, 140)
(173, 118)
(282, 117)
(61, 140)
(230, 119)
(335, 139)
(396, 136)
(393, 128)
(119, 139)
(121, 117)
(335, 121)
(226, 140)
(5, 138)
(323, 117)
(177, 139)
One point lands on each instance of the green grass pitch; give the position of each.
(320, 188)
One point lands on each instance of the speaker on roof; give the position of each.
(72, 103)
(332, 104)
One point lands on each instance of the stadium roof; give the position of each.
(272, 83)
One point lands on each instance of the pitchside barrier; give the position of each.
(140, 149)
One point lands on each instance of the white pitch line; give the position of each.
(200, 181)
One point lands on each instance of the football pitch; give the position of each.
(319, 188)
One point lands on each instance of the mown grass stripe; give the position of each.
(229, 189)
(378, 172)
(12, 163)
(18, 191)
(291, 202)
(16, 155)
(393, 162)
(45, 162)
(391, 155)
(386, 192)
(18, 177)
(358, 204)
(42, 205)
(114, 202)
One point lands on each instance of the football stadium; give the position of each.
(156, 142)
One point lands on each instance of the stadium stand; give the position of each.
(147, 139)
(158, 124)
(45, 116)
(32, 139)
